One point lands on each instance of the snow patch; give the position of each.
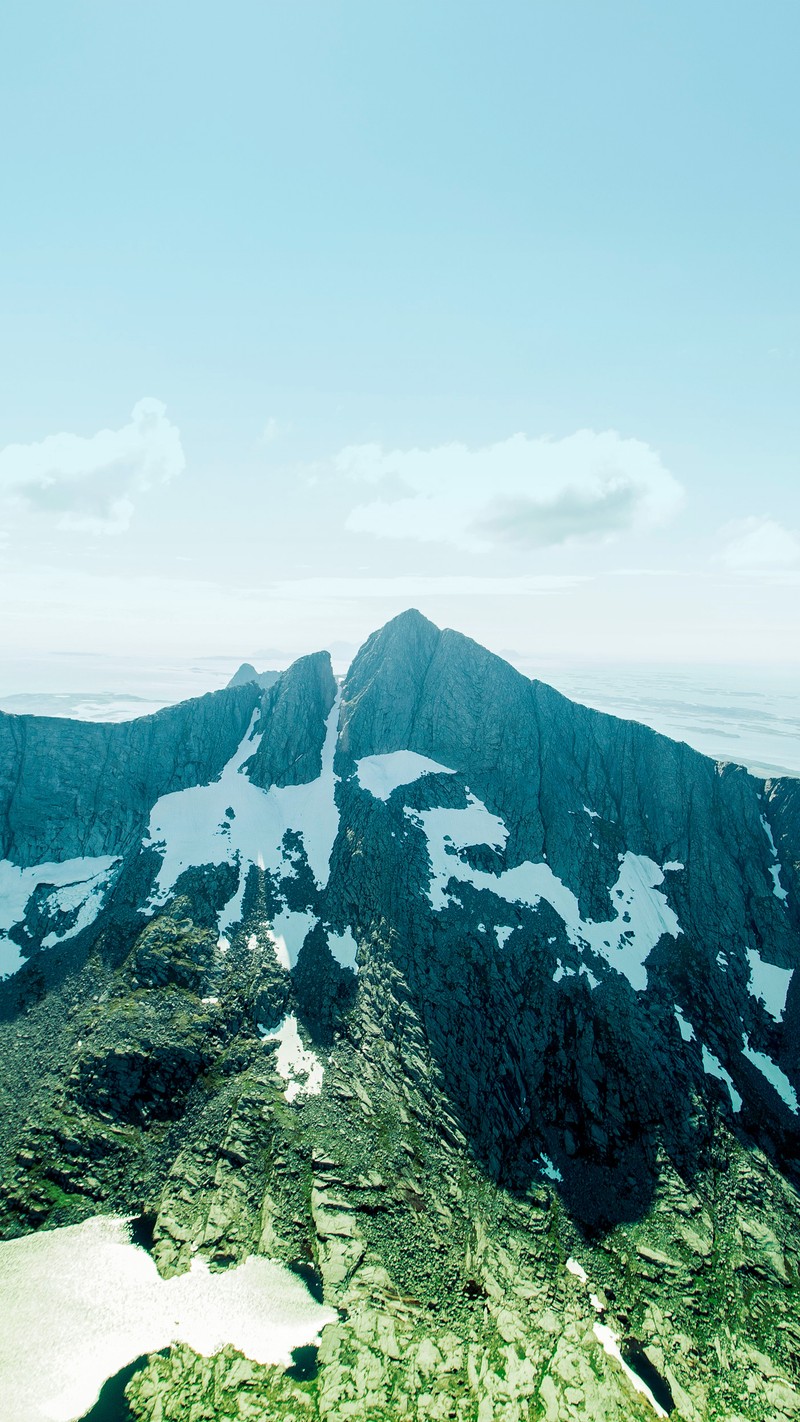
(502, 934)
(344, 948)
(288, 933)
(672, 866)
(774, 869)
(191, 827)
(80, 1303)
(769, 984)
(299, 1067)
(573, 1267)
(777, 888)
(712, 1066)
(641, 913)
(76, 884)
(686, 1028)
(773, 1074)
(381, 775)
(609, 1341)
(551, 1171)
(767, 828)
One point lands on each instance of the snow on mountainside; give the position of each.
(561, 944)
(420, 706)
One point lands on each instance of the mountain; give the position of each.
(247, 673)
(476, 1007)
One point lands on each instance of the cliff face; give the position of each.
(70, 788)
(437, 965)
(644, 896)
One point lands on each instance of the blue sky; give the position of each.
(305, 241)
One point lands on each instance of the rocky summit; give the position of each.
(476, 1008)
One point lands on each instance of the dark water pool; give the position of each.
(141, 1231)
(311, 1278)
(304, 1363)
(111, 1405)
(636, 1358)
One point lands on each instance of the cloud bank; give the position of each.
(519, 493)
(90, 484)
(759, 545)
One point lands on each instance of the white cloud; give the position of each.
(419, 585)
(759, 545)
(521, 492)
(90, 484)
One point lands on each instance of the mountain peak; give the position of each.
(409, 629)
(247, 673)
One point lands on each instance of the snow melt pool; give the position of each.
(80, 1303)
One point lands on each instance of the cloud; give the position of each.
(521, 492)
(90, 484)
(407, 588)
(759, 545)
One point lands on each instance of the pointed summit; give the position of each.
(395, 657)
(409, 632)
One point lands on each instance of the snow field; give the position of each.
(80, 1303)
(383, 774)
(194, 826)
(641, 913)
(299, 1067)
(76, 884)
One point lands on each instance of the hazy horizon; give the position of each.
(492, 313)
(750, 715)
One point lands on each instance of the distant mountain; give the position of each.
(247, 673)
(477, 1007)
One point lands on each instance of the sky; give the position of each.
(317, 311)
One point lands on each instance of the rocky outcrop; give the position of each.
(293, 716)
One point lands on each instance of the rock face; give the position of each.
(475, 1005)
(70, 788)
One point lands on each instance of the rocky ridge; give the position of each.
(503, 1139)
